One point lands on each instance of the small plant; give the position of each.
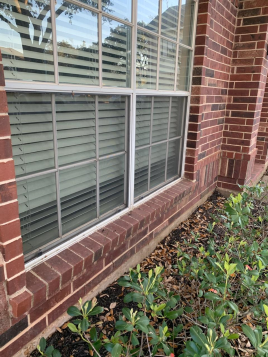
(45, 351)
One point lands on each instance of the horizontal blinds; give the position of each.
(118, 8)
(26, 43)
(148, 14)
(38, 211)
(160, 118)
(31, 132)
(169, 19)
(173, 158)
(158, 164)
(143, 120)
(167, 65)
(184, 66)
(146, 60)
(78, 196)
(186, 24)
(112, 175)
(76, 128)
(141, 171)
(112, 124)
(116, 50)
(176, 116)
(77, 42)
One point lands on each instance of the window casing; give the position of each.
(69, 63)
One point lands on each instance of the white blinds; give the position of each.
(146, 61)
(184, 67)
(116, 51)
(87, 177)
(186, 27)
(148, 14)
(169, 20)
(167, 65)
(38, 211)
(76, 128)
(32, 132)
(77, 41)
(26, 40)
(118, 8)
(159, 127)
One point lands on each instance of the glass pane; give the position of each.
(174, 152)
(143, 120)
(38, 211)
(177, 116)
(31, 132)
(26, 40)
(184, 66)
(112, 172)
(146, 61)
(148, 14)
(116, 53)
(93, 3)
(77, 40)
(158, 164)
(141, 171)
(167, 65)
(169, 20)
(119, 8)
(112, 118)
(78, 196)
(187, 22)
(160, 118)
(76, 128)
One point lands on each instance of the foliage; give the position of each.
(45, 351)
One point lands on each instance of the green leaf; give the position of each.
(221, 343)
(84, 325)
(172, 315)
(93, 334)
(123, 326)
(96, 311)
(56, 353)
(233, 306)
(126, 313)
(265, 309)
(134, 340)
(49, 350)
(42, 344)
(74, 311)
(203, 319)
(72, 327)
(233, 336)
(116, 351)
(212, 296)
(198, 336)
(250, 334)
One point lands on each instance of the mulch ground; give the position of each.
(165, 254)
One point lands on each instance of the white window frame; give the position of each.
(132, 93)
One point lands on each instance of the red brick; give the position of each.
(61, 267)
(95, 247)
(114, 237)
(104, 241)
(124, 225)
(134, 223)
(15, 267)
(5, 146)
(88, 274)
(118, 230)
(37, 288)
(8, 192)
(3, 103)
(116, 253)
(9, 231)
(4, 120)
(42, 309)
(49, 276)
(73, 259)
(7, 171)
(21, 303)
(16, 284)
(9, 212)
(12, 250)
(85, 253)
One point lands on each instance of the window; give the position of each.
(98, 93)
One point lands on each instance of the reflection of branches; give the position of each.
(8, 22)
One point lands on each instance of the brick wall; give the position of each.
(229, 77)
(262, 139)
(212, 67)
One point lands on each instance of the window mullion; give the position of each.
(54, 41)
(55, 142)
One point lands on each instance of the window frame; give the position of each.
(131, 92)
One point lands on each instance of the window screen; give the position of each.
(159, 143)
(70, 153)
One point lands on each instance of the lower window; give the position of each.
(70, 154)
(159, 141)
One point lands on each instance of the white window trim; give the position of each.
(133, 92)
